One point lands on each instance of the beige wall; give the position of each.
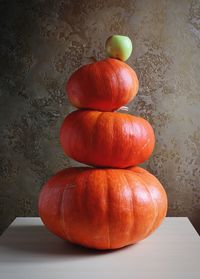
(43, 42)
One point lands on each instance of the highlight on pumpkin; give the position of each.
(115, 203)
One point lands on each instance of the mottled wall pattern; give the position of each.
(43, 41)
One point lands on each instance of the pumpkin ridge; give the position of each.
(92, 137)
(139, 151)
(74, 123)
(148, 140)
(107, 75)
(113, 139)
(132, 124)
(163, 190)
(84, 201)
(143, 147)
(132, 203)
(97, 87)
(154, 203)
(60, 211)
(116, 79)
(108, 210)
(63, 217)
(134, 80)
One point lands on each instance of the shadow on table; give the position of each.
(35, 240)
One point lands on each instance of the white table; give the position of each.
(28, 250)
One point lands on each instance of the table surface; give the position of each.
(28, 250)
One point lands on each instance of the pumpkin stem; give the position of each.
(123, 108)
(92, 59)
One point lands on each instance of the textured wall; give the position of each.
(43, 42)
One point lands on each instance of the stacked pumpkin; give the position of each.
(115, 203)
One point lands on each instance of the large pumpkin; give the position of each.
(108, 139)
(105, 85)
(103, 208)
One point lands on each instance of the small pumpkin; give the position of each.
(105, 85)
(103, 208)
(107, 139)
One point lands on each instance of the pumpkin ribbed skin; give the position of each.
(105, 85)
(108, 139)
(103, 208)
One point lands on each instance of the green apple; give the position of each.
(118, 46)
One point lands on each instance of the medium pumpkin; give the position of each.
(105, 85)
(107, 139)
(103, 208)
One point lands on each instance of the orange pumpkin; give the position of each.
(103, 208)
(105, 85)
(108, 139)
